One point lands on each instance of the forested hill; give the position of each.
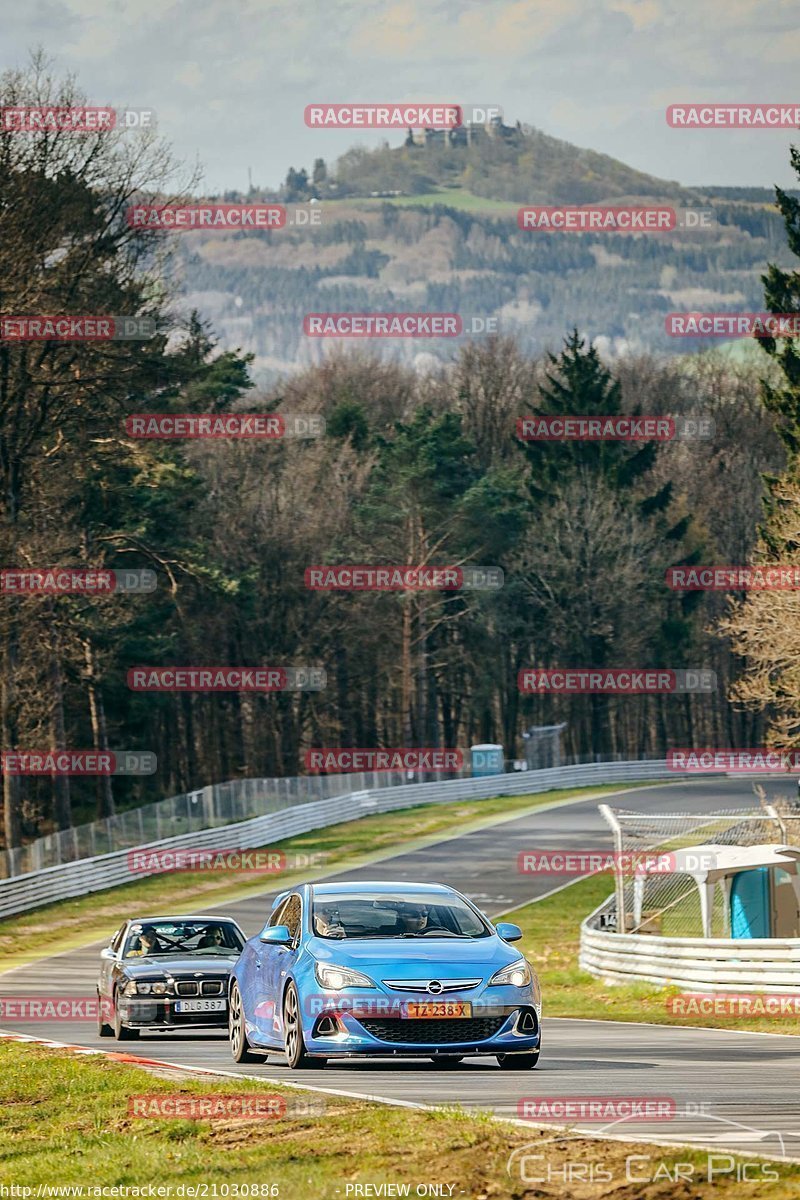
(430, 224)
(501, 162)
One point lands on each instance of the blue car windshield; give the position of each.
(383, 915)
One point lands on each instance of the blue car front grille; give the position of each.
(432, 1032)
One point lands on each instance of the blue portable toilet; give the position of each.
(487, 759)
(750, 904)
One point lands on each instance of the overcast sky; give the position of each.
(230, 80)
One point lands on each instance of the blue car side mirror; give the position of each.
(508, 932)
(276, 935)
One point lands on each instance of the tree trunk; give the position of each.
(58, 737)
(12, 784)
(105, 792)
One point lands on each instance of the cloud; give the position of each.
(229, 81)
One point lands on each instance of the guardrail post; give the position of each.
(616, 829)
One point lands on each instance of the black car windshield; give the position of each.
(383, 915)
(201, 939)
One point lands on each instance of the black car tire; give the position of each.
(103, 1029)
(294, 1046)
(240, 1047)
(518, 1062)
(123, 1033)
(443, 1061)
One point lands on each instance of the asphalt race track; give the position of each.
(732, 1090)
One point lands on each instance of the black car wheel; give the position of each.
(240, 1047)
(518, 1062)
(103, 1028)
(123, 1033)
(296, 1055)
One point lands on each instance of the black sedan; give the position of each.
(166, 973)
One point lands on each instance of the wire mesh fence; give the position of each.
(207, 808)
(226, 804)
(660, 898)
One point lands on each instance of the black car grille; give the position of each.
(433, 1032)
(205, 987)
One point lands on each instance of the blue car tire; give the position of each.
(240, 1047)
(295, 1047)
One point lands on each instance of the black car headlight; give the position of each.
(146, 987)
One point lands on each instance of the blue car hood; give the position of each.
(405, 956)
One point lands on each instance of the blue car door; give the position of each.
(278, 960)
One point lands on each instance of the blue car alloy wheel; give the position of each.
(383, 970)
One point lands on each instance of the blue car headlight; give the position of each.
(517, 973)
(336, 978)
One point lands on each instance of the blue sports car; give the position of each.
(376, 970)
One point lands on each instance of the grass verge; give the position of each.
(68, 924)
(67, 1122)
(552, 943)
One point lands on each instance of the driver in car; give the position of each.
(213, 936)
(412, 918)
(327, 923)
(148, 943)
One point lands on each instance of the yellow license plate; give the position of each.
(438, 1008)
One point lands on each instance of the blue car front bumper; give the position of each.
(493, 1028)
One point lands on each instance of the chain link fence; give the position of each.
(225, 804)
(207, 808)
(668, 902)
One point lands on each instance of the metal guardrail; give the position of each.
(214, 806)
(22, 893)
(692, 964)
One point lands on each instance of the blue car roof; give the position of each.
(389, 886)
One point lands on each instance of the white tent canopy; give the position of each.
(709, 864)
